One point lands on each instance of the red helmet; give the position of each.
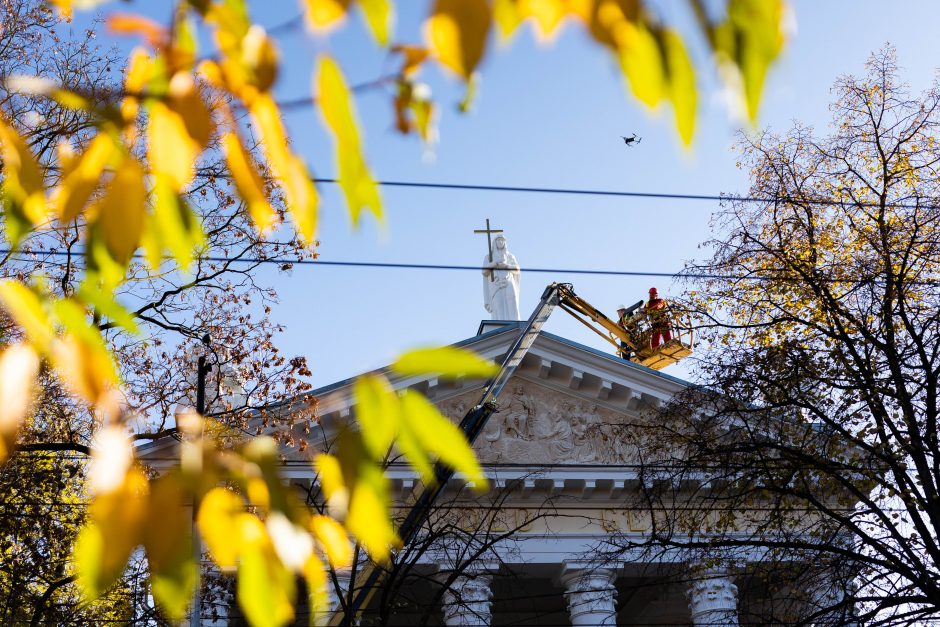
(653, 290)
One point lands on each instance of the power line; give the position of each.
(376, 264)
(437, 266)
(636, 194)
(557, 190)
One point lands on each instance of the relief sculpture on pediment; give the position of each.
(541, 426)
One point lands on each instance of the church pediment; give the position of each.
(538, 425)
(566, 404)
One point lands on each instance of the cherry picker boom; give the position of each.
(628, 341)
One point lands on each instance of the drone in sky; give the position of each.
(631, 141)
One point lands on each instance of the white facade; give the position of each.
(537, 549)
(550, 542)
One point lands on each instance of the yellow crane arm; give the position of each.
(581, 309)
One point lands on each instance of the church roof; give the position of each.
(553, 362)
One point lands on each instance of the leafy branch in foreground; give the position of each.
(129, 176)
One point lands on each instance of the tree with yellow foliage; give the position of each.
(818, 449)
(127, 194)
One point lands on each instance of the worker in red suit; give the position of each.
(657, 312)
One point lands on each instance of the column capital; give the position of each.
(591, 595)
(713, 598)
(467, 600)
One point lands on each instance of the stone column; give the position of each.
(713, 599)
(591, 596)
(467, 601)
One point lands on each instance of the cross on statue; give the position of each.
(488, 231)
(489, 241)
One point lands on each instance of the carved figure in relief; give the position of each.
(555, 426)
(516, 419)
(584, 437)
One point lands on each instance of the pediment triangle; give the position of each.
(538, 425)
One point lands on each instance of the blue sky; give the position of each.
(547, 116)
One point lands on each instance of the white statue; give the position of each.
(501, 282)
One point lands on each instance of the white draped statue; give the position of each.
(501, 282)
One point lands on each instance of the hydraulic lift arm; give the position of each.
(472, 424)
(555, 295)
(581, 309)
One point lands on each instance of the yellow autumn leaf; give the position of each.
(171, 151)
(324, 14)
(424, 115)
(302, 198)
(140, 69)
(177, 131)
(507, 17)
(356, 181)
(104, 544)
(64, 7)
(106, 305)
(168, 542)
(747, 42)
(292, 542)
(759, 33)
(185, 37)
(377, 413)
(260, 56)
(219, 511)
(682, 88)
(267, 118)
(155, 34)
(22, 189)
(547, 15)
(440, 436)
(457, 32)
(414, 451)
(445, 361)
(380, 17)
(266, 588)
(185, 99)
(318, 598)
(248, 183)
(81, 177)
(641, 61)
(81, 356)
(84, 368)
(336, 106)
(332, 537)
(173, 226)
(368, 518)
(289, 170)
(19, 366)
(27, 307)
(120, 215)
(330, 473)
(412, 57)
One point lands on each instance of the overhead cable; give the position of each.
(638, 194)
(436, 266)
